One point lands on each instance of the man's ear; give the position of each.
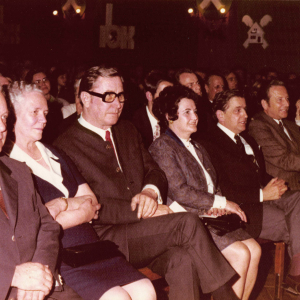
(86, 99)
(264, 104)
(206, 88)
(149, 96)
(220, 115)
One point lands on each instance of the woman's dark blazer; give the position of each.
(186, 179)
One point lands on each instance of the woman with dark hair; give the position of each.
(193, 184)
(71, 203)
(60, 88)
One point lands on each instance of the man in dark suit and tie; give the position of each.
(278, 138)
(130, 186)
(29, 241)
(272, 211)
(144, 119)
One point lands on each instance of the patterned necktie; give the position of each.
(108, 139)
(2, 205)
(281, 125)
(156, 133)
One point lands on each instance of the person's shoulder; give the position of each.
(164, 143)
(125, 127)
(68, 133)
(291, 124)
(11, 165)
(259, 119)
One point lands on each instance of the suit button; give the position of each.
(128, 188)
(256, 171)
(13, 238)
(118, 170)
(108, 146)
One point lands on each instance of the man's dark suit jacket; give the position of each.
(240, 180)
(282, 155)
(30, 234)
(96, 161)
(141, 121)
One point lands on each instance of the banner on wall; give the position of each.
(114, 36)
(256, 33)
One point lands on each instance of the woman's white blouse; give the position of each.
(53, 176)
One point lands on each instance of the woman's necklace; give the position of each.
(39, 158)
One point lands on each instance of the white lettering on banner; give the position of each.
(114, 36)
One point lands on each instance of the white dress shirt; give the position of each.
(102, 132)
(219, 201)
(284, 129)
(152, 120)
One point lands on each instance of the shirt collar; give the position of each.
(18, 153)
(227, 131)
(152, 120)
(186, 142)
(93, 128)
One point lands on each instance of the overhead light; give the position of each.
(190, 10)
(222, 10)
(55, 12)
(78, 10)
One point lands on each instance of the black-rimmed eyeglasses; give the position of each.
(109, 97)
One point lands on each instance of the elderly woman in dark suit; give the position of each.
(193, 184)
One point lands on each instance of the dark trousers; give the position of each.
(164, 242)
(66, 294)
(281, 220)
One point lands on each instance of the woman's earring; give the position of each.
(170, 122)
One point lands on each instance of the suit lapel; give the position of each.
(206, 164)
(279, 131)
(226, 142)
(292, 142)
(9, 187)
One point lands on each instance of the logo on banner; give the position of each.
(256, 33)
(114, 36)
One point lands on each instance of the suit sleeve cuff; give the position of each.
(219, 202)
(156, 190)
(261, 195)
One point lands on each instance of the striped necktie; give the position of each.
(2, 205)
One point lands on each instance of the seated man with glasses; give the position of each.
(129, 185)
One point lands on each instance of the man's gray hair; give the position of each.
(18, 91)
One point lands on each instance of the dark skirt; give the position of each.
(227, 239)
(93, 280)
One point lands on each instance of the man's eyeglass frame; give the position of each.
(103, 96)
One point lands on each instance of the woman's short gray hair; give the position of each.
(18, 91)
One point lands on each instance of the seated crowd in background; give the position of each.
(73, 131)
